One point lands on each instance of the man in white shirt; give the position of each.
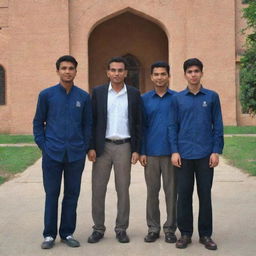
(115, 143)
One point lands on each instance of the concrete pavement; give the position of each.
(22, 203)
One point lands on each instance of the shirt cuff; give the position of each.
(217, 150)
(174, 149)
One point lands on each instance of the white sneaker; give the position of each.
(48, 242)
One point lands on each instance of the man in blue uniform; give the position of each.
(155, 154)
(62, 128)
(196, 137)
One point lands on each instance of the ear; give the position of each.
(107, 72)
(125, 73)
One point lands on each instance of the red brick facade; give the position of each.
(34, 33)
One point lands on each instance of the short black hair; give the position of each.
(67, 58)
(193, 62)
(118, 59)
(160, 64)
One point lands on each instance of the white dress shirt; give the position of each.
(117, 116)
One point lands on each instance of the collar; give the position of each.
(202, 90)
(168, 91)
(123, 90)
(63, 89)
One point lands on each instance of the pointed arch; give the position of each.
(135, 12)
(126, 34)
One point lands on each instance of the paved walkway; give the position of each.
(21, 216)
(18, 145)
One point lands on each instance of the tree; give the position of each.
(248, 62)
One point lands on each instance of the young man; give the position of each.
(155, 154)
(196, 137)
(115, 142)
(62, 128)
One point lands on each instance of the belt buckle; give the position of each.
(118, 142)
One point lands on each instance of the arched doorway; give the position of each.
(139, 40)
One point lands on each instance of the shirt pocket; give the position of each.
(77, 111)
(204, 112)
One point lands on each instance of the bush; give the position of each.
(248, 62)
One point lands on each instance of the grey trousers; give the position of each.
(156, 167)
(118, 156)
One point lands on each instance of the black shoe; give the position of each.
(208, 243)
(151, 237)
(170, 237)
(95, 237)
(122, 237)
(70, 241)
(48, 243)
(183, 242)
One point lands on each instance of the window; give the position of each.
(133, 77)
(2, 86)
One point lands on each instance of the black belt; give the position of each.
(118, 142)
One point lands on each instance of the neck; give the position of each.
(194, 88)
(67, 86)
(117, 87)
(161, 90)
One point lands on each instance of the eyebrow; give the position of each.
(156, 73)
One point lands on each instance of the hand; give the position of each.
(92, 155)
(214, 160)
(176, 159)
(143, 160)
(135, 157)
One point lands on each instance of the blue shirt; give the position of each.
(196, 128)
(62, 123)
(156, 121)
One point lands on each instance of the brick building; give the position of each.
(34, 33)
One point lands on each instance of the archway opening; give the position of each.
(139, 40)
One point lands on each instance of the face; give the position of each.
(66, 72)
(193, 75)
(160, 77)
(116, 72)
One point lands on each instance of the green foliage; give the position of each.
(241, 152)
(248, 62)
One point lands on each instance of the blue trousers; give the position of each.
(190, 170)
(52, 176)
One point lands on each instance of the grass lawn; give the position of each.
(240, 130)
(13, 139)
(241, 152)
(2, 179)
(16, 159)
